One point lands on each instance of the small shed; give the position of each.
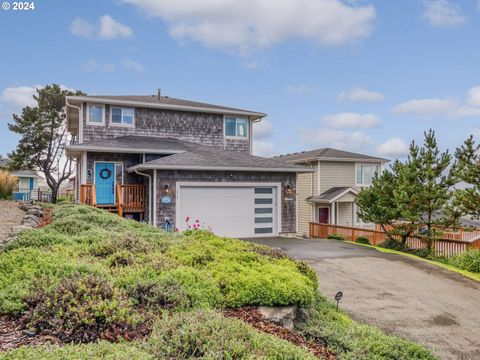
(26, 185)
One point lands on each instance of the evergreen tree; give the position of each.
(44, 137)
(468, 171)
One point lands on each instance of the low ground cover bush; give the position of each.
(142, 268)
(392, 244)
(354, 341)
(336, 237)
(469, 260)
(201, 334)
(362, 240)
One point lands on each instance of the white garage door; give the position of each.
(234, 211)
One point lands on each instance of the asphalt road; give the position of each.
(403, 296)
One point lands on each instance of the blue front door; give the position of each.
(105, 183)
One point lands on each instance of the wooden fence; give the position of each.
(443, 247)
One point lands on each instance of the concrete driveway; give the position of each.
(402, 296)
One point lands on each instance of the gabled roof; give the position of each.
(165, 102)
(25, 173)
(185, 155)
(328, 154)
(332, 194)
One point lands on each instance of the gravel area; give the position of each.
(10, 215)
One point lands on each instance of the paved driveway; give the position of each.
(402, 296)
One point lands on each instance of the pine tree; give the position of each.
(468, 170)
(44, 137)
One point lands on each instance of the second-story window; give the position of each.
(365, 173)
(95, 114)
(236, 127)
(122, 116)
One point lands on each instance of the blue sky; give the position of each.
(367, 76)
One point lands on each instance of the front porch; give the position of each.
(129, 199)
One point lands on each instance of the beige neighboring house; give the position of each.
(328, 194)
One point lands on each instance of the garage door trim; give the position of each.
(276, 185)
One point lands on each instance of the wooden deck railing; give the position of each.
(88, 195)
(130, 198)
(443, 246)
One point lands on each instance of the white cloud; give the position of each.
(426, 107)
(82, 28)
(91, 65)
(338, 139)
(474, 96)
(112, 29)
(106, 29)
(358, 94)
(394, 147)
(133, 65)
(443, 13)
(18, 97)
(351, 120)
(244, 26)
(299, 89)
(262, 130)
(263, 148)
(441, 107)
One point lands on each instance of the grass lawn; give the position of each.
(469, 274)
(111, 288)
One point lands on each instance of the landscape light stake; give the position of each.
(338, 297)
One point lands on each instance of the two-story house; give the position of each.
(179, 164)
(327, 195)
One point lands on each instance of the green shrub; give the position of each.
(469, 260)
(363, 240)
(81, 309)
(100, 350)
(354, 341)
(336, 237)
(246, 277)
(209, 335)
(21, 268)
(393, 245)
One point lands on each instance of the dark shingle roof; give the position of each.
(165, 101)
(186, 155)
(25, 173)
(327, 153)
(330, 194)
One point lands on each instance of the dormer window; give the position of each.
(95, 114)
(236, 127)
(122, 116)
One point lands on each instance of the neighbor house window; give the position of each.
(95, 114)
(366, 172)
(121, 116)
(236, 127)
(23, 184)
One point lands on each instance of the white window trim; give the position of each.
(103, 114)
(112, 124)
(357, 164)
(236, 118)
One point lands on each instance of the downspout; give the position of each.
(149, 194)
(155, 197)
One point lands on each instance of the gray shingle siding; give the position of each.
(202, 128)
(171, 178)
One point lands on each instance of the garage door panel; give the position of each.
(229, 211)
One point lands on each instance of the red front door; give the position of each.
(323, 215)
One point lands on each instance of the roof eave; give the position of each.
(253, 114)
(111, 149)
(147, 166)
